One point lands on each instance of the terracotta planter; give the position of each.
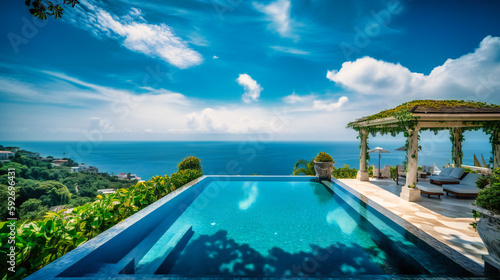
(323, 170)
(488, 228)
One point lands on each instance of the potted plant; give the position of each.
(323, 165)
(487, 210)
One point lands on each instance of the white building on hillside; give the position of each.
(6, 155)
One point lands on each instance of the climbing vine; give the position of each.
(407, 121)
(460, 139)
(408, 106)
(367, 154)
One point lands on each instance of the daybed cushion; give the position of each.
(470, 179)
(430, 188)
(444, 178)
(462, 189)
(446, 171)
(457, 172)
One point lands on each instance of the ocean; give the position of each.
(147, 159)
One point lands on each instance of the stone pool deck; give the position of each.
(443, 223)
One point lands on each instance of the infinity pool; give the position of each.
(257, 227)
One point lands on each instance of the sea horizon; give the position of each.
(152, 158)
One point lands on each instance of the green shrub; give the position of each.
(482, 182)
(370, 170)
(183, 177)
(344, 172)
(468, 170)
(190, 163)
(41, 242)
(324, 157)
(490, 198)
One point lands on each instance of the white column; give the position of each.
(496, 151)
(408, 192)
(457, 150)
(362, 173)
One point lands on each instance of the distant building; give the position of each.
(105, 191)
(84, 168)
(134, 177)
(92, 169)
(31, 154)
(124, 176)
(6, 155)
(57, 208)
(60, 162)
(11, 149)
(47, 159)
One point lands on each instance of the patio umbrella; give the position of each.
(379, 151)
(401, 149)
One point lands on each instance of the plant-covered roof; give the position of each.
(435, 107)
(433, 115)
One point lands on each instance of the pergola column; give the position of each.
(362, 173)
(457, 147)
(408, 192)
(496, 151)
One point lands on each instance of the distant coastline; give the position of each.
(147, 159)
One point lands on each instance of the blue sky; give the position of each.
(234, 69)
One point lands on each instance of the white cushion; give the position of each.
(430, 188)
(457, 172)
(470, 179)
(462, 188)
(444, 178)
(446, 171)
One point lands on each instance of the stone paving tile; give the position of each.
(447, 219)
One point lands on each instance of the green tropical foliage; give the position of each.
(190, 163)
(43, 8)
(324, 157)
(406, 107)
(344, 172)
(304, 167)
(51, 185)
(482, 181)
(40, 242)
(489, 198)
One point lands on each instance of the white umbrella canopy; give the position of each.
(401, 149)
(379, 151)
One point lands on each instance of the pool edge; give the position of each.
(457, 257)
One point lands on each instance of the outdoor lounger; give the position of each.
(430, 189)
(448, 176)
(467, 186)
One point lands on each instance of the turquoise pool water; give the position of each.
(257, 227)
(287, 228)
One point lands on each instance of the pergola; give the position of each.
(412, 117)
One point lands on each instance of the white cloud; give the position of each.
(98, 112)
(235, 120)
(252, 88)
(289, 50)
(310, 103)
(295, 98)
(102, 125)
(136, 34)
(474, 76)
(279, 14)
(215, 57)
(330, 106)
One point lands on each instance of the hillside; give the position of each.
(41, 184)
